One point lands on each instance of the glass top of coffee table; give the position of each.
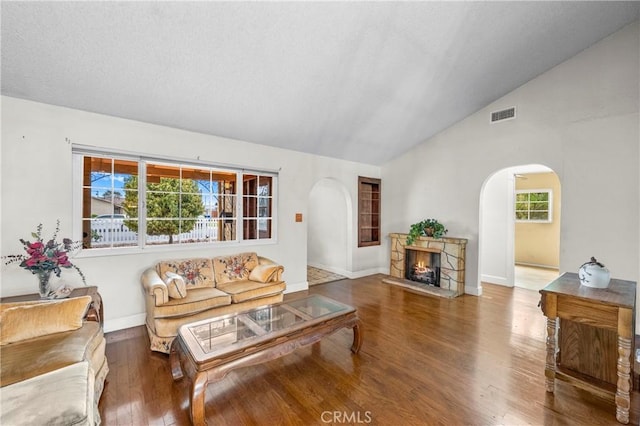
(228, 333)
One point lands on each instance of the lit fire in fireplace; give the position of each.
(420, 268)
(423, 273)
(423, 267)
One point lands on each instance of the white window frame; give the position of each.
(80, 151)
(529, 191)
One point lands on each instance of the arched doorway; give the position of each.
(519, 232)
(329, 227)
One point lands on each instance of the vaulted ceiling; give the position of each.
(362, 81)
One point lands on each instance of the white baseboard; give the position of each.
(367, 272)
(122, 323)
(494, 279)
(349, 274)
(292, 288)
(339, 271)
(139, 319)
(475, 291)
(537, 265)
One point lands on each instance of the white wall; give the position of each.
(496, 229)
(580, 119)
(328, 226)
(36, 182)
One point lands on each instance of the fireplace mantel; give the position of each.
(452, 252)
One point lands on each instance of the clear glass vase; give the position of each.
(44, 284)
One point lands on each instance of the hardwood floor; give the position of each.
(424, 360)
(317, 276)
(534, 278)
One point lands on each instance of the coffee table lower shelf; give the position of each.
(211, 370)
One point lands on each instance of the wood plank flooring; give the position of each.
(424, 361)
(317, 276)
(534, 278)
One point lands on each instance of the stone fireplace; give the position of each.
(432, 265)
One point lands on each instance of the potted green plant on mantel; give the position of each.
(428, 228)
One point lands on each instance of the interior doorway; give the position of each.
(538, 202)
(329, 230)
(519, 232)
(533, 277)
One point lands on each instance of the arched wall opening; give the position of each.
(329, 227)
(505, 242)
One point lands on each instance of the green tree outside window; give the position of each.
(533, 206)
(173, 206)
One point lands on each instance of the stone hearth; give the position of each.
(452, 267)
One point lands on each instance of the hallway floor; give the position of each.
(320, 276)
(533, 278)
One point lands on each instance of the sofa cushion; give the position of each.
(197, 300)
(263, 273)
(163, 330)
(195, 272)
(38, 319)
(176, 287)
(29, 358)
(241, 291)
(234, 268)
(60, 397)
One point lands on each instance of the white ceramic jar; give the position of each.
(594, 274)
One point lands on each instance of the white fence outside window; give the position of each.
(108, 232)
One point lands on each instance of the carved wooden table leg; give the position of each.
(188, 359)
(174, 360)
(623, 396)
(550, 364)
(198, 391)
(591, 318)
(357, 338)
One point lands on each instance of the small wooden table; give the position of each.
(209, 349)
(592, 349)
(96, 309)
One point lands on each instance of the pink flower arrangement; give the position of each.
(47, 257)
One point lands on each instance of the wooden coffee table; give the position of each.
(207, 350)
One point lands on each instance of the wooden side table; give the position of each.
(94, 313)
(592, 348)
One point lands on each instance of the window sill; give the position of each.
(127, 251)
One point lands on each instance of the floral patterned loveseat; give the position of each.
(181, 291)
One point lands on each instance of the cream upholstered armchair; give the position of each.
(53, 365)
(181, 291)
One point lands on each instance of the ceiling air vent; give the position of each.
(505, 114)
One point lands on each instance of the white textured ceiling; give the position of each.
(362, 81)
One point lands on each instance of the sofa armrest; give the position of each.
(277, 277)
(154, 286)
